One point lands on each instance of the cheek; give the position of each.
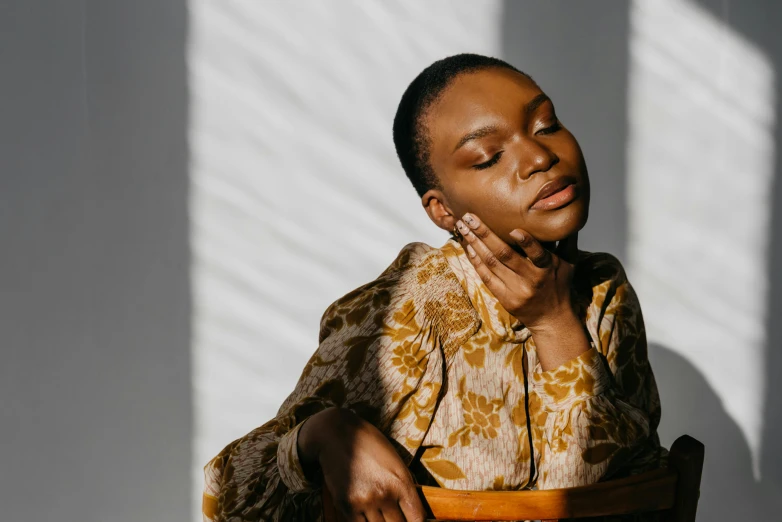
(504, 208)
(570, 151)
(493, 199)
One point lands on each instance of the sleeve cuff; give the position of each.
(577, 380)
(288, 463)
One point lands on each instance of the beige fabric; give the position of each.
(427, 354)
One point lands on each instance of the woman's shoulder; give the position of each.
(418, 284)
(600, 267)
(603, 276)
(415, 265)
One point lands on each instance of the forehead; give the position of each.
(488, 96)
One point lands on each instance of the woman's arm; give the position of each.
(598, 413)
(559, 340)
(360, 467)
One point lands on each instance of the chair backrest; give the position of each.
(673, 490)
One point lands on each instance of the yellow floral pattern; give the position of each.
(480, 415)
(429, 356)
(409, 359)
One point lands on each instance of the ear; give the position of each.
(437, 209)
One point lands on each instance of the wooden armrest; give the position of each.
(651, 491)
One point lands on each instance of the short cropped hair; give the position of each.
(410, 138)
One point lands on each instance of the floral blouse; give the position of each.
(428, 355)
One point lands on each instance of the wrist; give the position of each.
(319, 429)
(559, 340)
(554, 324)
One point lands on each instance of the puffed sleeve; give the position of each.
(379, 355)
(600, 410)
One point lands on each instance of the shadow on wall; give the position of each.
(758, 22)
(578, 54)
(95, 309)
(689, 405)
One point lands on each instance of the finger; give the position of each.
(374, 515)
(539, 256)
(349, 513)
(393, 513)
(411, 506)
(567, 249)
(499, 248)
(496, 276)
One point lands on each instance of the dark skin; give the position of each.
(495, 141)
(491, 182)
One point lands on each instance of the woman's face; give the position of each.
(494, 142)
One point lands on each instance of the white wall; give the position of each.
(701, 149)
(95, 401)
(297, 195)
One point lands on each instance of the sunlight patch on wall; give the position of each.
(297, 196)
(700, 169)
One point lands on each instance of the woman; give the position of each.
(505, 359)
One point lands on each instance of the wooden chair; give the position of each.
(673, 490)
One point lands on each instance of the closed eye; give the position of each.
(552, 129)
(494, 159)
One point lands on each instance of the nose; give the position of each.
(535, 157)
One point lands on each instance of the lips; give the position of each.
(552, 187)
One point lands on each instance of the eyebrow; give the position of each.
(481, 132)
(477, 133)
(536, 102)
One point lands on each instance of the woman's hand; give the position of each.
(535, 289)
(364, 474)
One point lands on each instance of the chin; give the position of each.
(562, 223)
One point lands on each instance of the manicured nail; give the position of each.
(470, 220)
(518, 236)
(462, 227)
(470, 250)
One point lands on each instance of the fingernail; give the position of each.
(462, 227)
(470, 250)
(470, 220)
(518, 236)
